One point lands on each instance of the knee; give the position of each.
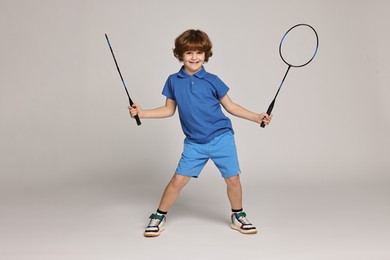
(179, 181)
(233, 182)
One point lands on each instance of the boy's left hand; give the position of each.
(265, 118)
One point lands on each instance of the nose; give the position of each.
(193, 55)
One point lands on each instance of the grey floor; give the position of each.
(104, 217)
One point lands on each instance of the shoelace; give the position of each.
(154, 222)
(244, 220)
(241, 217)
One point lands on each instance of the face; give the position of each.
(193, 61)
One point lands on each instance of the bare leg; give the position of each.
(234, 191)
(172, 191)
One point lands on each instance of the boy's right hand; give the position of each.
(134, 110)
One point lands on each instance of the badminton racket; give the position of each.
(298, 47)
(123, 82)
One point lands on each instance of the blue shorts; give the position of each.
(221, 150)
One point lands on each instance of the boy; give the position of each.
(198, 95)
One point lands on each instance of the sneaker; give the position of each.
(156, 225)
(241, 223)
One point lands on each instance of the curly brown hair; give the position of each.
(193, 40)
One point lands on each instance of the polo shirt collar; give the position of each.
(200, 74)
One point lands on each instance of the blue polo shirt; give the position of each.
(198, 101)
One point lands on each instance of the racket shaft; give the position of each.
(123, 82)
(271, 106)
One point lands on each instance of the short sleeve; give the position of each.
(220, 88)
(168, 90)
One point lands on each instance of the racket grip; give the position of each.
(131, 104)
(269, 111)
(138, 120)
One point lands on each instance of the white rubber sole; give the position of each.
(154, 234)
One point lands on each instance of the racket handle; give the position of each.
(131, 104)
(138, 120)
(269, 111)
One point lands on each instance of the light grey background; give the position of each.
(79, 178)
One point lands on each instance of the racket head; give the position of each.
(299, 45)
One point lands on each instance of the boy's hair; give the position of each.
(193, 40)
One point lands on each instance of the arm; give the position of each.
(167, 110)
(239, 111)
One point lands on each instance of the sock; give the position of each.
(160, 212)
(237, 210)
